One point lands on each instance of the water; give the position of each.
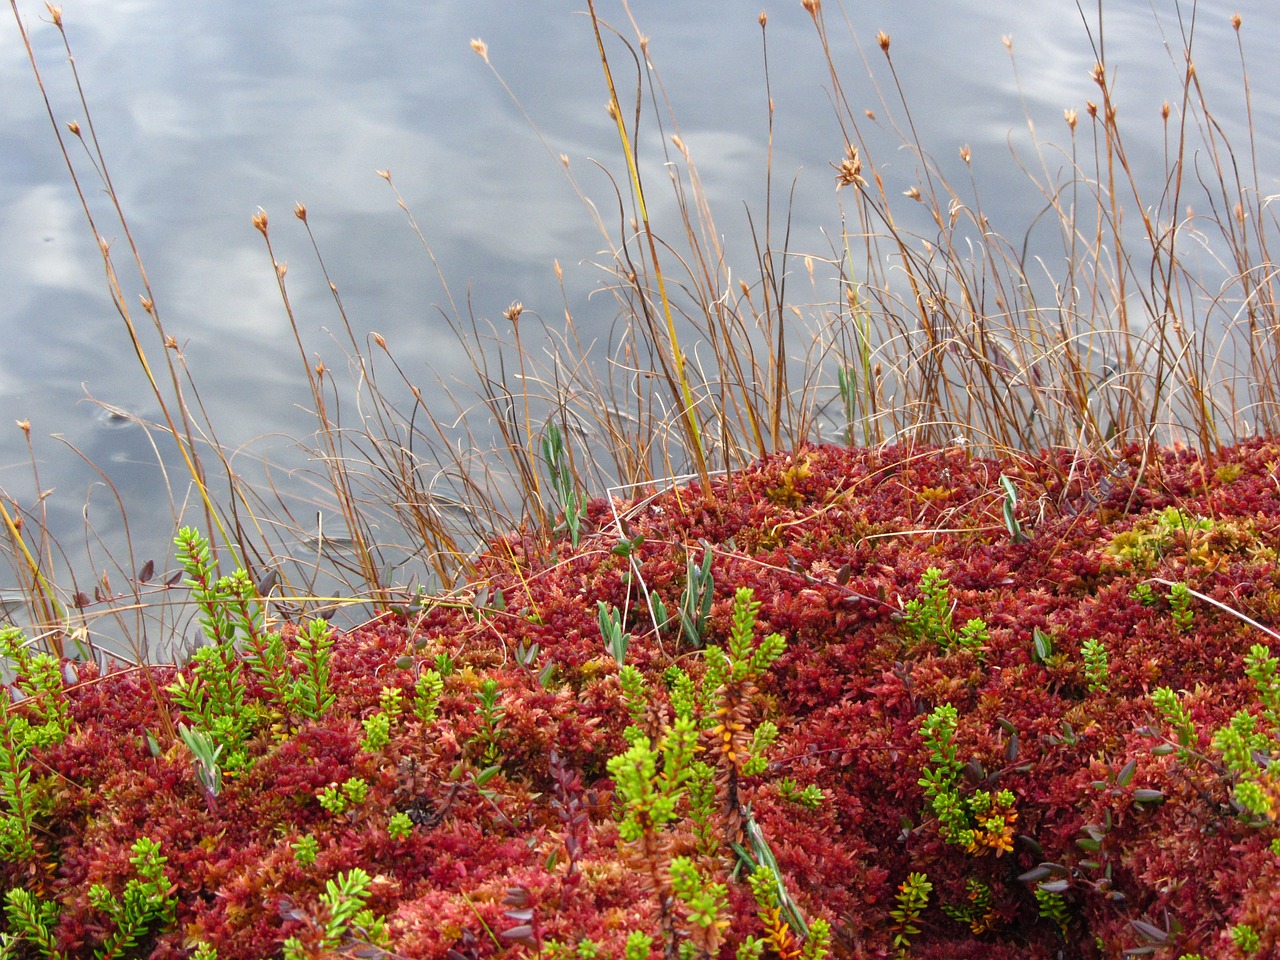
(208, 111)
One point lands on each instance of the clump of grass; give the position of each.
(966, 335)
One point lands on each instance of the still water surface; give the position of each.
(207, 111)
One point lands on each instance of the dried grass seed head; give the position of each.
(849, 172)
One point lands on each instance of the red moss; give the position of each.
(834, 543)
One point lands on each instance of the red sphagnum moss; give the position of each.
(1091, 828)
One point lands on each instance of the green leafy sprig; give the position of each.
(929, 617)
(310, 695)
(913, 898)
(343, 913)
(1094, 654)
(38, 679)
(427, 690)
(144, 903)
(31, 920)
(488, 737)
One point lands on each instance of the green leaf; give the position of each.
(1125, 776)
(1043, 645)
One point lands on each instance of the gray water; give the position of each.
(208, 111)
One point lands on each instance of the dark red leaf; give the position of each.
(522, 934)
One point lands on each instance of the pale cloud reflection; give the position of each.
(209, 110)
(34, 229)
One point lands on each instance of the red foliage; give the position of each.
(834, 543)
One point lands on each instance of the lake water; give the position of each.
(208, 111)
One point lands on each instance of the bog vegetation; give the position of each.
(926, 618)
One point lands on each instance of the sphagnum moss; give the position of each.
(1081, 766)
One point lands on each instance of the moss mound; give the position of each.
(1024, 708)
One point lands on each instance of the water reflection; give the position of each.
(208, 111)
